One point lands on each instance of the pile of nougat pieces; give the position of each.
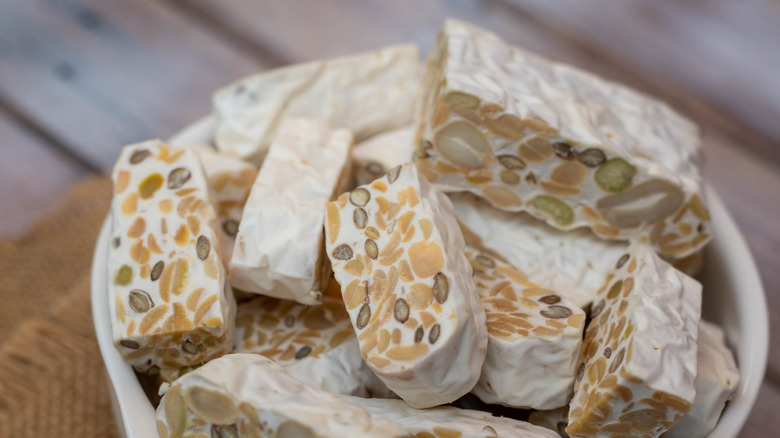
(363, 242)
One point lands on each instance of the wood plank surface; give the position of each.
(33, 176)
(99, 74)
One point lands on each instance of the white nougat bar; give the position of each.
(528, 134)
(278, 249)
(397, 253)
(248, 395)
(374, 157)
(716, 383)
(534, 338)
(169, 305)
(367, 93)
(571, 263)
(231, 180)
(639, 359)
(448, 421)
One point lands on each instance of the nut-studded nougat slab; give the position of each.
(639, 354)
(166, 284)
(367, 93)
(374, 157)
(397, 253)
(449, 421)
(231, 180)
(716, 382)
(571, 263)
(534, 338)
(278, 249)
(248, 395)
(528, 134)
(316, 344)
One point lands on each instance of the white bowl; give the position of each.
(733, 298)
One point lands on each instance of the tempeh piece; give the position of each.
(167, 294)
(639, 354)
(279, 244)
(397, 253)
(448, 422)
(534, 338)
(375, 156)
(231, 180)
(248, 395)
(528, 134)
(316, 344)
(716, 383)
(367, 93)
(571, 263)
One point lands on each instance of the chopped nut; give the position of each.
(556, 312)
(434, 334)
(342, 252)
(363, 316)
(615, 175)
(511, 162)
(139, 156)
(178, 177)
(371, 249)
(629, 208)
(418, 334)
(550, 299)
(441, 287)
(559, 211)
(592, 157)
(359, 197)
(462, 144)
(401, 310)
(360, 217)
(203, 247)
(127, 343)
(149, 185)
(230, 226)
(124, 276)
(140, 301)
(564, 150)
(457, 99)
(393, 173)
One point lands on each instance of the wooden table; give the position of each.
(81, 78)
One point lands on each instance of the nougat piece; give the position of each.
(374, 157)
(248, 395)
(367, 93)
(639, 353)
(397, 253)
(534, 338)
(574, 150)
(716, 383)
(315, 344)
(166, 288)
(553, 419)
(572, 263)
(231, 180)
(449, 421)
(278, 249)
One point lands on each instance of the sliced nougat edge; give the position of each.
(716, 383)
(231, 180)
(315, 344)
(639, 361)
(571, 263)
(519, 131)
(279, 250)
(449, 421)
(166, 282)
(249, 395)
(534, 338)
(372, 158)
(397, 253)
(367, 93)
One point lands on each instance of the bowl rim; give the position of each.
(133, 403)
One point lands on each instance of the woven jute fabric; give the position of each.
(52, 378)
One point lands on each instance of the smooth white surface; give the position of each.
(733, 298)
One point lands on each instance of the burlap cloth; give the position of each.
(52, 379)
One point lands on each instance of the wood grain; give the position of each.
(33, 176)
(100, 74)
(715, 59)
